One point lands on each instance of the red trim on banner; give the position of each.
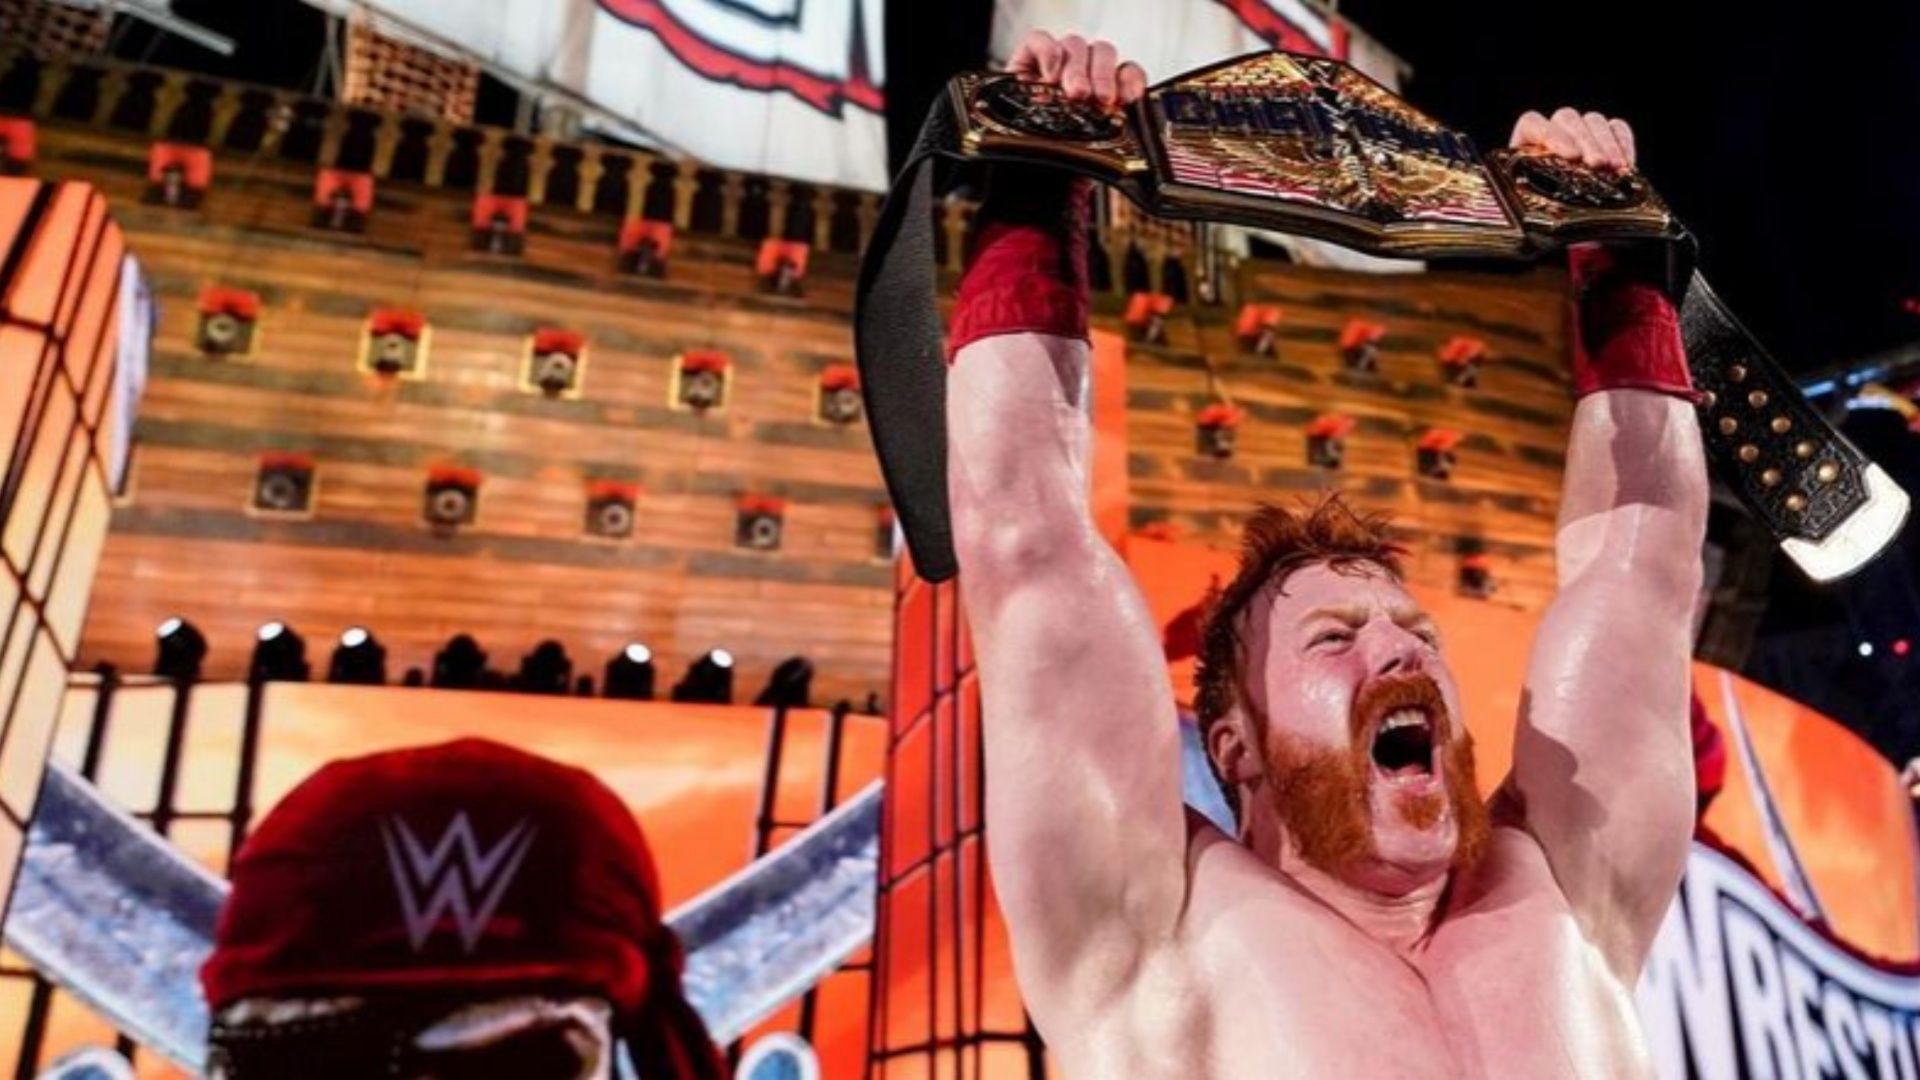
(714, 61)
(864, 94)
(1280, 33)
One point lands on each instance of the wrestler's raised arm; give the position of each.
(1602, 759)
(1082, 745)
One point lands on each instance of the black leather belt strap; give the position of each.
(1813, 490)
(901, 350)
(900, 346)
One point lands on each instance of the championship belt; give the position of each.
(1310, 146)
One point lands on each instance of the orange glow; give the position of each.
(691, 774)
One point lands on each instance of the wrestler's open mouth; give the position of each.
(1403, 744)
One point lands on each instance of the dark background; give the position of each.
(1788, 137)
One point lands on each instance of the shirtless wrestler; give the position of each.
(1373, 918)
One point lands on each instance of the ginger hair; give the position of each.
(1279, 541)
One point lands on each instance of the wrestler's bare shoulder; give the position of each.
(1262, 980)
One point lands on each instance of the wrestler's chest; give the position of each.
(1308, 997)
(1521, 992)
(1528, 1002)
(1507, 987)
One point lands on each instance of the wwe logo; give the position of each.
(467, 888)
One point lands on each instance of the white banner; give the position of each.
(1739, 987)
(787, 87)
(791, 88)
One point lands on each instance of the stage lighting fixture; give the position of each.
(790, 685)
(630, 674)
(182, 649)
(461, 665)
(279, 655)
(359, 659)
(1866, 648)
(545, 670)
(229, 318)
(708, 681)
(1901, 646)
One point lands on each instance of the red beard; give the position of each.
(1320, 794)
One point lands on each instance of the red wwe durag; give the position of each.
(398, 909)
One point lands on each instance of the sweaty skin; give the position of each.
(1149, 944)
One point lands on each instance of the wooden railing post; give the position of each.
(229, 106)
(732, 191)
(439, 149)
(386, 143)
(167, 99)
(112, 86)
(591, 169)
(686, 184)
(53, 79)
(539, 165)
(779, 198)
(1117, 239)
(333, 131)
(491, 140)
(639, 179)
(226, 108)
(822, 218)
(280, 117)
(869, 213)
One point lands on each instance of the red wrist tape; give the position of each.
(1626, 334)
(1027, 274)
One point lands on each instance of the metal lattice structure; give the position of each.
(385, 72)
(53, 30)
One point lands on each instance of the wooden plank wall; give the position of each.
(183, 542)
(1505, 490)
